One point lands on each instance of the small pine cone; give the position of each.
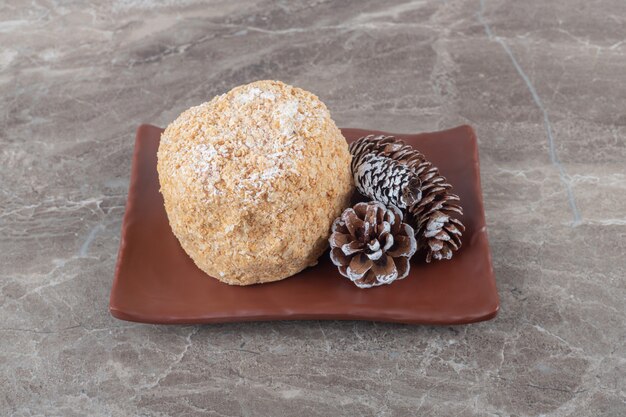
(371, 245)
(384, 180)
(435, 227)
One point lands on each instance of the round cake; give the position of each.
(252, 181)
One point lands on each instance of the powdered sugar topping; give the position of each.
(252, 94)
(247, 139)
(289, 116)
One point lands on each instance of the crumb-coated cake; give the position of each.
(252, 181)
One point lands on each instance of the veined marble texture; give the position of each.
(542, 82)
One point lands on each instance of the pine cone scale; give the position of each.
(388, 238)
(351, 248)
(452, 229)
(402, 247)
(403, 266)
(352, 221)
(339, 239)
(338, 257)
(458, 224)
(454, 243)
(359, 266)
(385, 270)
(435, 244)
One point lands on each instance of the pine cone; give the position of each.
(387, 181)
(371, 245)
(435, 228)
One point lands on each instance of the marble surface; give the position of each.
(543, 84)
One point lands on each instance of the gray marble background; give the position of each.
(542, 82)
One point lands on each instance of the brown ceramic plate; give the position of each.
(156, 282)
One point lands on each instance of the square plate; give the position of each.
(156, 282)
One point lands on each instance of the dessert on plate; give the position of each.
(252, 181)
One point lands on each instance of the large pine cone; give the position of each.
(371, 245)
(436, 228)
